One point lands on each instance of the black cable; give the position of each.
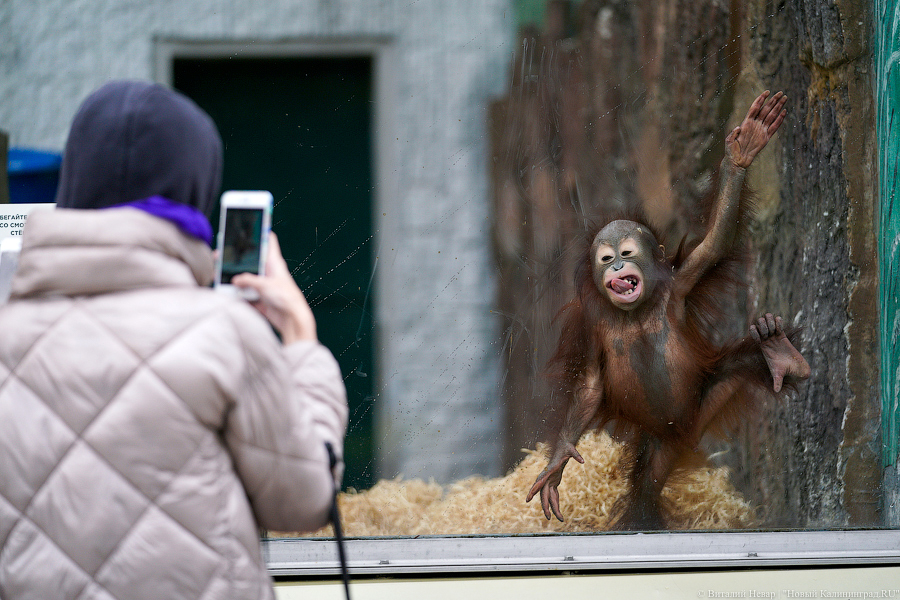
(336, 521)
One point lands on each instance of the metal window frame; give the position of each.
(442, 555)
(370, 557)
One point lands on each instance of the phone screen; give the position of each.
(242, 242)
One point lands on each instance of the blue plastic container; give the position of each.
(33, 175)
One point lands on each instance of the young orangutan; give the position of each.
(635, 344)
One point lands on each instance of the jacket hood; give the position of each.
(131, 140)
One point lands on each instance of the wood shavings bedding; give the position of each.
(700, 498)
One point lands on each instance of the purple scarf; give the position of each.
(187, 218)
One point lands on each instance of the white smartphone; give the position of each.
(244, 222)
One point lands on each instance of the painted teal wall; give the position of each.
(887, 19)
(530, 12)
(533, 12)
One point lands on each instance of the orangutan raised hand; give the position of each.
(762, 121)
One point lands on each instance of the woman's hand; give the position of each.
(280, 300)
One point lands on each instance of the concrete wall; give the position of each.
(438, 64)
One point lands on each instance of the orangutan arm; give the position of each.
(582, 410)
(742, 145)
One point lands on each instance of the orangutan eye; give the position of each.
(605, 254)
(628, 248)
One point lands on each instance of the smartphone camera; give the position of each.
(242, 243)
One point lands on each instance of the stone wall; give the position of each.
(816, 458)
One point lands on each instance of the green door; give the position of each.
(301, 128)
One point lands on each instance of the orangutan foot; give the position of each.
(782, 358)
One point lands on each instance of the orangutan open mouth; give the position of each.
(625, 286)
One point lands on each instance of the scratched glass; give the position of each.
(437, 170)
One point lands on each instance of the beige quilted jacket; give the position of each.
(149, 425)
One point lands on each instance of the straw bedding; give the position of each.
(699, 498)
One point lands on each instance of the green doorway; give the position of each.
(301, 128)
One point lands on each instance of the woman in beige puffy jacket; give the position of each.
(149, 425)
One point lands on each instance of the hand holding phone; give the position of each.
(244, 223)
(249, 264)
(279, 299)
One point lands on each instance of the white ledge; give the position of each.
(583, 552)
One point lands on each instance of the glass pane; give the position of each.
(542, 233)
(444, 197)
